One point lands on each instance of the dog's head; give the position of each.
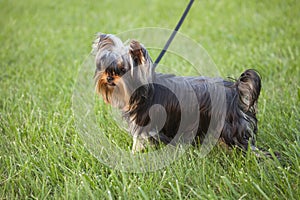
(118, 67)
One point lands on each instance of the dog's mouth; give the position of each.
(112, 84)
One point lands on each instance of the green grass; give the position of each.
(44, 43)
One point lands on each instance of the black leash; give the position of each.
(162, 53)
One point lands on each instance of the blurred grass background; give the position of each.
(43, 44)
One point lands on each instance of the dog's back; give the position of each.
(237, 99)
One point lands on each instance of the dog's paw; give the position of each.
(138, 145)
(143, 143)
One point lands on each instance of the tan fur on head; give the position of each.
(137, 53)
(112, 62)
(103, 87)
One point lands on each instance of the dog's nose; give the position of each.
(109, 79)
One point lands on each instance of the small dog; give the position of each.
(167, 108)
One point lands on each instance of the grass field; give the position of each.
(44, 43)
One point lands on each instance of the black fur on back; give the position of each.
(240, 125)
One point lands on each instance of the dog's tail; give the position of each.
(248, 86)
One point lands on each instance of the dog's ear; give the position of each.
(249, 85)
(107, 42)
(139, 54)
(101, 36)
(96, 44)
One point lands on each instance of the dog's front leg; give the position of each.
(141, 142)
(138, 145)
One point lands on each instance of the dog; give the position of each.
(169, 109)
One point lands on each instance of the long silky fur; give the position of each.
(240, 127)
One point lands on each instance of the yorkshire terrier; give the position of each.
(167, 108)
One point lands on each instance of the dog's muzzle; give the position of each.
(110, 81)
